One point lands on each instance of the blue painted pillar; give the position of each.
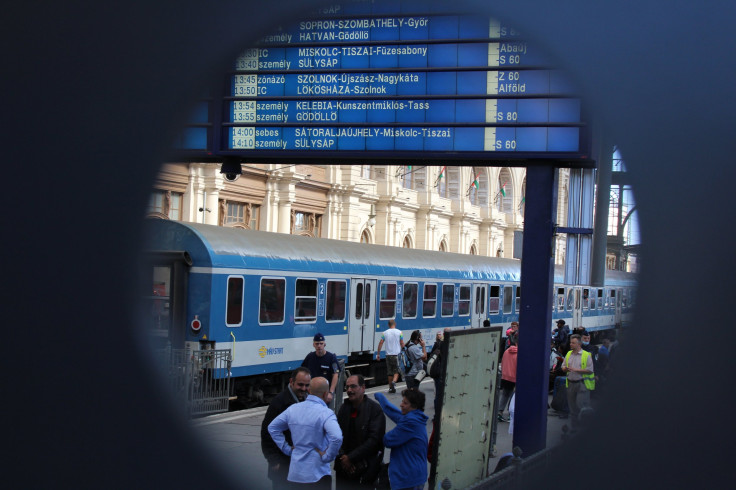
(535, 315)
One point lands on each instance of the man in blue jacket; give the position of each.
(408, 440)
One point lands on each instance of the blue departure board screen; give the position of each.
(381, 83)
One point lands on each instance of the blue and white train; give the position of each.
(264, 295)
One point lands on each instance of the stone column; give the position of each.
(283, 195)
(205, 185)
(284, 212)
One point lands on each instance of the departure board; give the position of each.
(357, 80)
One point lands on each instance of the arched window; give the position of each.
(306, 224)
(165, 205)
(365, 237)
(449, 184)
(443, 246)
(406, 174)
(442, 182)
(505, 196)
(419, 177)
(473, 249)
(407, 242)
(478, 194)
(239, 214)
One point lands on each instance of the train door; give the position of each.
(577, 312)
(617, 302)
(479, 311)
(362, 324)
(163, 277)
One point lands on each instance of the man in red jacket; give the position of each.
(508, 376)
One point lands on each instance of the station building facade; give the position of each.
(468, 210)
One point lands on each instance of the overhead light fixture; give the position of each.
(372, 216)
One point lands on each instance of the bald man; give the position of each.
(316, 436)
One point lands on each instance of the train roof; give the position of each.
(224, 247)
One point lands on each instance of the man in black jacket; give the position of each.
(363, 426)
(435, 369)
(278, 462)
(561, 337)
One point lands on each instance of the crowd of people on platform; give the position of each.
(577, 368)
(302, 437)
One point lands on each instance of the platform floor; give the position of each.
(234, 441)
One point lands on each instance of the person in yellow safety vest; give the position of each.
(580, 378)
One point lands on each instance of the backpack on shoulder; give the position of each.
(404, 362)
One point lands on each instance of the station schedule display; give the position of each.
(434, 83)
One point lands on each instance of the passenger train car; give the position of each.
(264, 295)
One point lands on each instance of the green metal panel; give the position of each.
(464, 435)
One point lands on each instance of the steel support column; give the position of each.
(602, 203)
(535, 317)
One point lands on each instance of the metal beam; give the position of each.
(535, 316)
(628, 215)
(620, 178)
(574, 231)
(602, 203)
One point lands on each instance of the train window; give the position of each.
(387, 308)
(305, 301)
(448, 299)
(518, 298)
(463, 305)
(586, 295)
(429, 303)
(495, 301)
(570, 299)
(367, 300)
(359, 301)
(560, 299)
(272, 301)
(600, 299)
(507, 299)
(410, 300)
(234, 306)
(160, 300)
(480, 298)
(335, 301)
(624, 298)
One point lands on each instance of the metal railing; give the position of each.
(199, 380)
